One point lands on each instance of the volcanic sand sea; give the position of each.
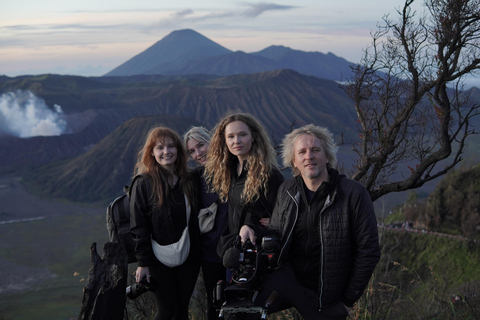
(43, 242)
(16, 203)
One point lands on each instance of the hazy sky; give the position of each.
(91, 38)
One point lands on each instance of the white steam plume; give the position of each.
(22, 114)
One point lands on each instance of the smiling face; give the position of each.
(238, 138)
(197, 150)
(165, 153)
(310, 159)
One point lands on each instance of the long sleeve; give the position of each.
(140, 223)
(366, 248)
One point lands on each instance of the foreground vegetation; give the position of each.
(423, 276)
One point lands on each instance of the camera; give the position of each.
(249, 265)
(136, 290)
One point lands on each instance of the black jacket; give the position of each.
(164, 224)
(348, 231)
(254, 211)
(210, 239)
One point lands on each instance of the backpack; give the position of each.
(118, 222)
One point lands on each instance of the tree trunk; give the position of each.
(104, 293)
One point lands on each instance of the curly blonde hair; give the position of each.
(146, 163)
(260, 161)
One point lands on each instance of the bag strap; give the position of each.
(188, 208)
(128, 189)
(123, 212)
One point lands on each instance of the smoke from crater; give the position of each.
(22, 114)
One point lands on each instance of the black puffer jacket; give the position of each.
(348, 230)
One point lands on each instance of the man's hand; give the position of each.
(247, 233)
(265, 222)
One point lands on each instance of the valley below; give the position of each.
(45, 253)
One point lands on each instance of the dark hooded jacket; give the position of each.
(347, 231)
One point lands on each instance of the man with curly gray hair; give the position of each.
(327, 230)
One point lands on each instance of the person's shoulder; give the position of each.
(277, 174)
(196, 172)
(347, 184)
(289, 184)
(141, 181)
(199, 169)
(142, 177)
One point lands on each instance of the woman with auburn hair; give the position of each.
(163, 211)
(242, 169)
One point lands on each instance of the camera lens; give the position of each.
(137, 289)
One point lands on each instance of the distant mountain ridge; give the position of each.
(186, 51)
(95, 106)
(100, 146)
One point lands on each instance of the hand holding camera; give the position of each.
(137, 289)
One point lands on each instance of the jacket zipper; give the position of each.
(321, 261)
(291, 229)
(325, 205)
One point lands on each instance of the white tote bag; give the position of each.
(173, 255)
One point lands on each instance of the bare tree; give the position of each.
(413, 112)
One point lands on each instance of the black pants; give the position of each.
(174, 287)
(290, 293)
(212, 273)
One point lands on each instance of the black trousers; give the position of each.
(173, 289)
(212, 273)
(290, 293)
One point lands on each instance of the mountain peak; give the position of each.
(189, 37)
(172, 52)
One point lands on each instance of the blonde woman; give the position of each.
(197, 142)
(159, 207)
(242, 169)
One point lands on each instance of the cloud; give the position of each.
(183, 13)
(37, 28)
(188, 16)
(22, 114)
(256, 9)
